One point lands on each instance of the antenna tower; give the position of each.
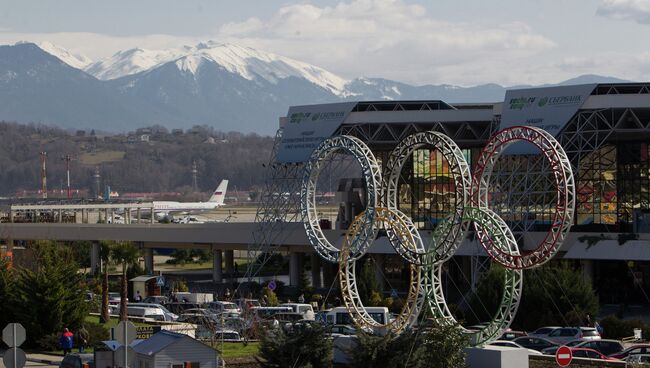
(195, 173)
(67, 159)
(43, 174)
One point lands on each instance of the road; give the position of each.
(38, 360)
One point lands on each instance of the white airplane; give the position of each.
(163, 208)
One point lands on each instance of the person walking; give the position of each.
(301, 299)
(66, 341)
(138, 297)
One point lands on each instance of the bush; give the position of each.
(49, 342)
(303, 345)
(615, 328)
(441, 346)
(96, 334)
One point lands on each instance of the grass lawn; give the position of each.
(238, 350)
(101, 157)
(112, 323)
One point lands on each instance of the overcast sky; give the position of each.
(464, 42)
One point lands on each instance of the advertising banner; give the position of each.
(309, 125)
(548, 108)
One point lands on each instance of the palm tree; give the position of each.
(127, 255)
(105, 253)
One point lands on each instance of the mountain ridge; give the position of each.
(229, 87)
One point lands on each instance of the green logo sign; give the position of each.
(542, 102)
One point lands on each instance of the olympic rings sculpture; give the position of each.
(471, 206)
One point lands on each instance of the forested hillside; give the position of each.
(147, 160)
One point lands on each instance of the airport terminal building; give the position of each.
(603, 128)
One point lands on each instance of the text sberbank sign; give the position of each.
(309, 125)
(548, 108)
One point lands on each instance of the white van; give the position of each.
(306, 310)
(266, 313)
(169, 316)
(219, 306)
(153, 313)
(340, 315)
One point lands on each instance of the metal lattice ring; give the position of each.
(564, 204)
(433, 285)
(415, 297)
(371, 172)
(448, 237)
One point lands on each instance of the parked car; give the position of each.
(169, 316)
(227, 336)
(306, 310)
(114, 298)
(638, 360)
(512, 344)
(605, 347)
(535, 343)
(201, 311)
(589, 353)
(219, 306)
(511, 335)
(563, 335)
(156, 299)
(76, 360)
(553, 349)
(342, 330)
(543, 331)
(632, 350)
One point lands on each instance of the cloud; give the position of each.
(634, 10)
(391, 39)
(97, 46)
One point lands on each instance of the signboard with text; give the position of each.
(548, 108)
(309, 125)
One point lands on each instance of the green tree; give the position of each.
(105, 255)
(366, 279)
(127, 255)
(439, 347)
(485, 302)
(50, 297)
(554, 294)
(304, 345)
(7, 292)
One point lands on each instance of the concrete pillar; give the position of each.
(587, 267)
(83, 216)
(95, 249)
(148, 260)
(229, 256)
(217, 266)
(138, 214)
(329, 274)
(106, 215)
(295, 268)
(315, 271)
(153, 215)
(60, 215)
(112, 216)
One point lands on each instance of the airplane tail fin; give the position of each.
(220, 193)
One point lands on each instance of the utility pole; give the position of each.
(43, 174)
(98, 193)
(67, 159)
(195, 173)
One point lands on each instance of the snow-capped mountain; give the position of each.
(246, 62)
(77, 61)
(229, 87)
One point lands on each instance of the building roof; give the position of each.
(160, 340)
(144, 278)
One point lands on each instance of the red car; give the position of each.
(632, 350)
(589, 353)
